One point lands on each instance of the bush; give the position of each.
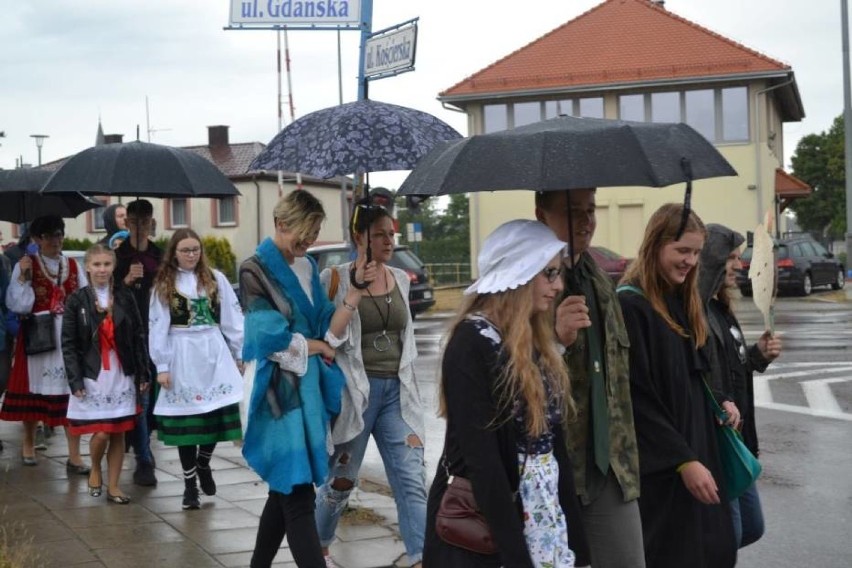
(221, 256)
(70, 243)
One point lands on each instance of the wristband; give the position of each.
(355, 283)
(348, 306)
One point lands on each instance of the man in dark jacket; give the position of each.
(602, 441)
(138, 260)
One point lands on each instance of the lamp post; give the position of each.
(39, 140)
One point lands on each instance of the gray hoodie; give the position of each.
(721, 241)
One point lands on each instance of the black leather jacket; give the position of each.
(81, 348)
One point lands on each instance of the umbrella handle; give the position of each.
(686, 166)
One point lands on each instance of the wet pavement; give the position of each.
(48, 517)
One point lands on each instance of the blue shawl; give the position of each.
(291, 449)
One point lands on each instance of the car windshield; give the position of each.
(781, 251)
(405, 259)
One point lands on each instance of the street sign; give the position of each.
(295, 13)
(391, 52)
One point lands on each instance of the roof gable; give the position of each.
(618, 41)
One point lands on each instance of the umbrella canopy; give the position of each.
(364, 136)
(21, 202)
(140, 169)
(568, 153)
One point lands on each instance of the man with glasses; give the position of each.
(602, 441)
(138, 260)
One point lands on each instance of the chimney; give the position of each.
(660, 3)
(113, 138)
(217, 135)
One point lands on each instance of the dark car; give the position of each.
(803, 264)
(421, 296)
(610, 262)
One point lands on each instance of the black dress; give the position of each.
(674, 425)
(487, 455)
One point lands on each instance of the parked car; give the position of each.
(421, 296)
(610, 261)
(803, 264)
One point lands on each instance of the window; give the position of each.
(226, 211)
(178, 210)
(96, 216)
(526, 113)
(495, 118)
(631, 107)
(665, 107)
(701, 112)
(592, 107)
(552, 109)
(735, 114)
(820, 250)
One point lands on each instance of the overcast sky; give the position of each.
(64, 63)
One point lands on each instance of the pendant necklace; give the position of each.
(382, 342)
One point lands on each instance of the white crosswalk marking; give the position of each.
(816, 387)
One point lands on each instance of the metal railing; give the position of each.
(448, 273)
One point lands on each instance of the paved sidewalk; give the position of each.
(51, 518)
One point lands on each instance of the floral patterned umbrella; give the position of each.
(354, 138)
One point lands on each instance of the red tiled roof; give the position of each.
(616, 42)
(789, 186)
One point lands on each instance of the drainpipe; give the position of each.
(757, 152)
(257, 205)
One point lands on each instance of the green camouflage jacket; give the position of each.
(624, 453)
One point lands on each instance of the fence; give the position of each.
(448, 273)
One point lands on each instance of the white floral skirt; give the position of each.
(545, 527)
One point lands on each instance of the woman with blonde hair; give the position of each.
(195, 340)
(685, 517)
(503, 391)
(292, 330)
(106, 361)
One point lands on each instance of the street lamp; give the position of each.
(39, 139)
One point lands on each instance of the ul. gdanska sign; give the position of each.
(295, 12)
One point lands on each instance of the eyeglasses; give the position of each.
(552, 273)
(189, 251)
(367, 209)
(53, 235)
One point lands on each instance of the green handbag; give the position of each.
(739, 466)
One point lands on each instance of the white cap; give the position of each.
(513, 254)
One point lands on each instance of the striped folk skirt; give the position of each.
(219, 425)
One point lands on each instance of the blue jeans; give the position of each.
(747, 515)
(404, 467)
(141, 434)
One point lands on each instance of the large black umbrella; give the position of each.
(568, 153)
(21, 202)
(140, 169)
(354, 138)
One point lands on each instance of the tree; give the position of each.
(446, 235)
(819, 161)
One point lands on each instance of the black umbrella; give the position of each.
(21, 202)
(140, 169)
(354, 138)
(568, 153)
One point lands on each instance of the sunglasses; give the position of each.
(552, 273)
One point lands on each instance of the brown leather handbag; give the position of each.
(458, 521)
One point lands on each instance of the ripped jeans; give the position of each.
(402, 455)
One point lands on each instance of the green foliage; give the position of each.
(819, 161)
(162, 242)
(446, 235)
(70, 243)
(220, 255)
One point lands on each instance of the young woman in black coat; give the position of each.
(106, 362)
(504, 392)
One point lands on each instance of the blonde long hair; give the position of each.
(645, 271)
(164, 282)
(524, 333)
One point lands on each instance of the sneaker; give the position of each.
(190, 498)
(40, 439)
(205, 480)
(329, 562)
(144, 475)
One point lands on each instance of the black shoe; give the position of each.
(144, 475)
(74, 469)
(190, 498)
(205, 480)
